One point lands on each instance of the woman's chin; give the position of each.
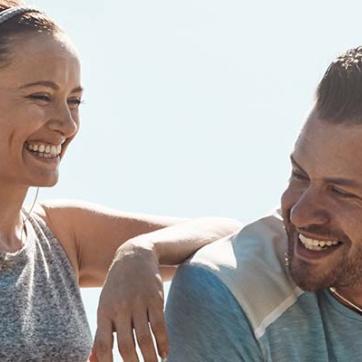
(45, 182)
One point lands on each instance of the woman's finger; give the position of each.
(144, 336)
(125, 340)
(103, 341)
(158, 326)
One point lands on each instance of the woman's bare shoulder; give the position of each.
(58, 215)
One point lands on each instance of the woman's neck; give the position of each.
(11, 220)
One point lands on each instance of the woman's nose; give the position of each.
(64, 121)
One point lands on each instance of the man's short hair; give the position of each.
(339, 94)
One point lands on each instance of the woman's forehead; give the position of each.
(41, 57)
(29, 44)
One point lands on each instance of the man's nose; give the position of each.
(309, 209)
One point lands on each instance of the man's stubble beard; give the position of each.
(346, 271)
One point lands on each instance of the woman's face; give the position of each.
(40, 94)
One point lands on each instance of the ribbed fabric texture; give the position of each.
(42, 317)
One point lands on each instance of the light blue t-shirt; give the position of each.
(234, 301)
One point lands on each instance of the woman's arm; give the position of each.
(175, 243)
(132, 298)
(122, 252)
(91, 234)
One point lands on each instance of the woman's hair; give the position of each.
(339, 94)
(23, 23)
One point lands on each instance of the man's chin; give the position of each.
(308, 281)
(308, 286)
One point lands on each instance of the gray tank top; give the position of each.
(42, 317)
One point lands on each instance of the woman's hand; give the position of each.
(131, 301)
(132, 296)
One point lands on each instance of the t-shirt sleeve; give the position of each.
(205, 322)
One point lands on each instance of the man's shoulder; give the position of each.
(257, 249)
(261, 239)
(251, 264)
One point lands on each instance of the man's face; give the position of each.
(322, 206)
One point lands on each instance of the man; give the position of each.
(288, 287)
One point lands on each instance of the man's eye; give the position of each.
(298, 175)
(341, 192)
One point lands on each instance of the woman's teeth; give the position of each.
(43, 150)
(313, 244)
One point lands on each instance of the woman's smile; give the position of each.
(42, 157)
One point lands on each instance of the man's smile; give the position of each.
(315, 244)
(309, 249)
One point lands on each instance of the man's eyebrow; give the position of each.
(343, 182)
(49, 84)
(295, 163)
(332, 180)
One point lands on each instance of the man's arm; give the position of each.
(205, 322)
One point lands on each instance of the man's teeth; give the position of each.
(45, 150)
(313, 244)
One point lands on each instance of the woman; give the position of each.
(48, 253)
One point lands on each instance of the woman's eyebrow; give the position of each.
(49, 84)
(78, 90)
(45, 83)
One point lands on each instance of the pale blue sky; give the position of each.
(192, 106)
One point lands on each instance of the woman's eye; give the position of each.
(40, 97)
(75, 102)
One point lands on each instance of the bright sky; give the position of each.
(192, 106)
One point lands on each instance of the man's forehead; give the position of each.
(343, 136)
(329, 149)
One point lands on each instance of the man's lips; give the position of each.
(313, 249)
